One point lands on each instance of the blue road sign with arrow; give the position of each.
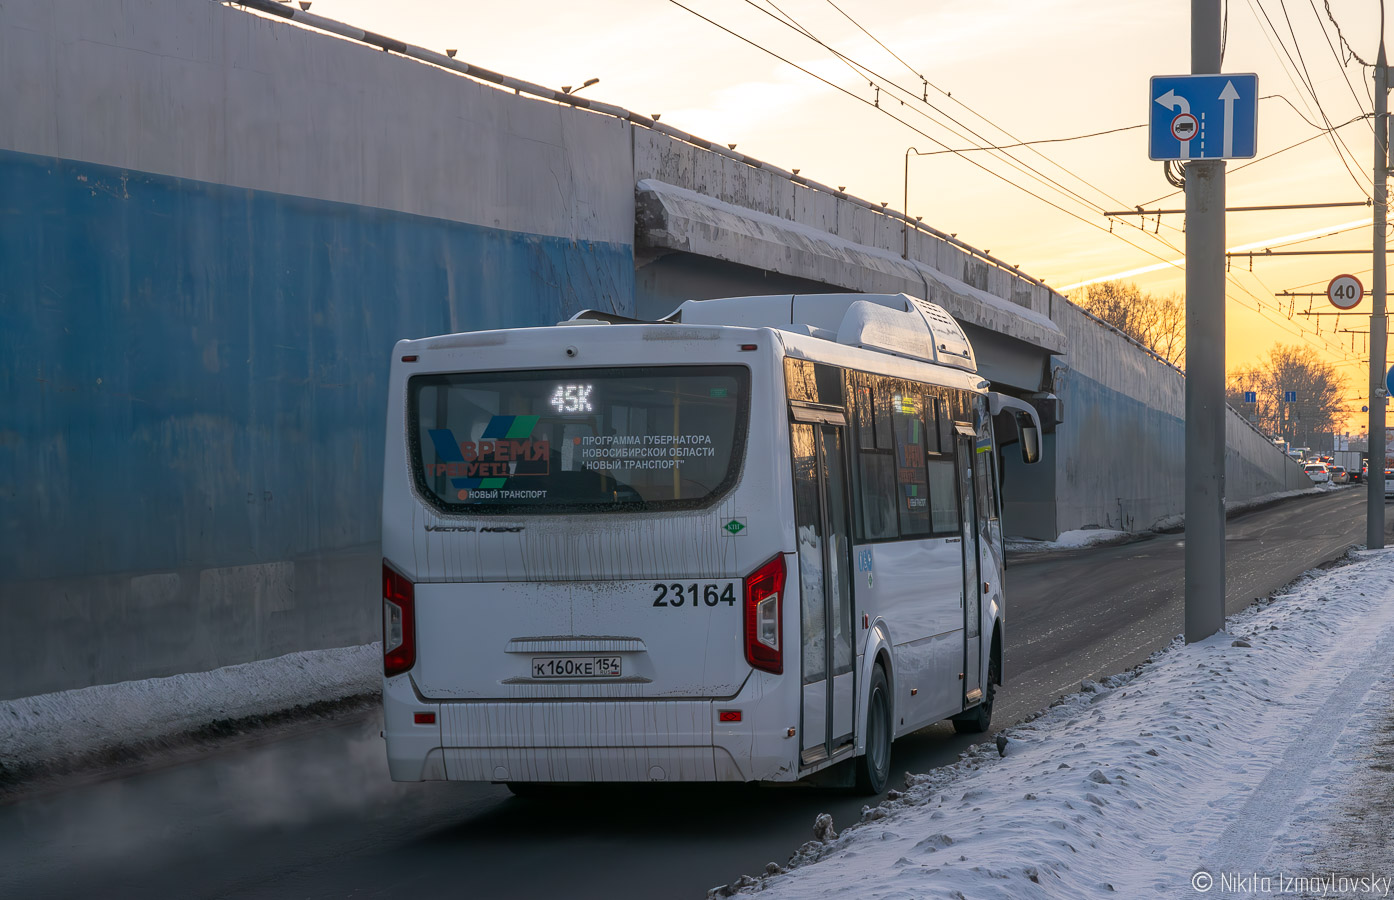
(1203, 117)
(1289, 396)
(1251, 396)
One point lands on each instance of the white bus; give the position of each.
(750, 542)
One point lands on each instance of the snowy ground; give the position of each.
(52, 732)
(1092, 537)
(1261, 753)
(1072, 540)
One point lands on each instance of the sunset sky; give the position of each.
(1016, 71)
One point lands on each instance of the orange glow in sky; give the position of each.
(994, 71)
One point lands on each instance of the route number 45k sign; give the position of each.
(1203, 117)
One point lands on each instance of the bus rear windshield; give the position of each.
(578, 440)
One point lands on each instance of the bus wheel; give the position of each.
(874, 767)
(979, 719)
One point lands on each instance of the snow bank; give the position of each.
(1238, 506)
(1090, 537)
(1072, 540)
(56, 730)
(1193, 763)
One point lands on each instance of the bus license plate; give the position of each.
(575, 667)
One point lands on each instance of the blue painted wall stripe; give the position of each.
(194, 374)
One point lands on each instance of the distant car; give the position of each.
(1339, 475)
(1356, 475)
(1317, 472)
(1388, 483)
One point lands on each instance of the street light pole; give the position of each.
(905, 200)
(568, 89)
(1374, 501)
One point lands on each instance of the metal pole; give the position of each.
(905, 204)
(905, 201)
(1205, 361)
(1374, 502)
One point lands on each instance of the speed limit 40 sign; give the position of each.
(1345, 292)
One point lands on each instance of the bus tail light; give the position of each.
(398, 622)
(764, 590)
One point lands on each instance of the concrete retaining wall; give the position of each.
(195, 319)
(1119, 458)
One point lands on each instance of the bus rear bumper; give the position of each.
(583, 741)
(592, 764)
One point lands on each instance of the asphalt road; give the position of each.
(309, 812)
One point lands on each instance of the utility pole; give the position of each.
(1205, 360)
(1374, 502)
(905, 200)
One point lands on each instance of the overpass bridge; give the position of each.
(217, 222)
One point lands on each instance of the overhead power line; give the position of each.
(1163, 212)
(788, 21)
(1311, 84)
(949, 96)
(1337, 56)
(1269, 35)
(1009, 159)
(1077, 137)
(916, 130)
(1283, 97)
(864, 71)
(1262, 253)
(878, 42)
(1341, 37)
(1258, 302)
(1338, 145)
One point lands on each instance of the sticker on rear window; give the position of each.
(479, 469)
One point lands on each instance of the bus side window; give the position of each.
(983, 475)
(982, 481)
(862, 406)
(878, 494)
(912, 489)
(946, 426)
(931, 422)
(943, 495)
(885, 394)
(875, 470)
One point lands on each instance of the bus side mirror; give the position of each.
(1030, 442)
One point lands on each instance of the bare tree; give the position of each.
(1155, 321)
(1294, 370)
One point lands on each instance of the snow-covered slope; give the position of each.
(1206, 763)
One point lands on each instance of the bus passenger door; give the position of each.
(972, 581)
(825, 591)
